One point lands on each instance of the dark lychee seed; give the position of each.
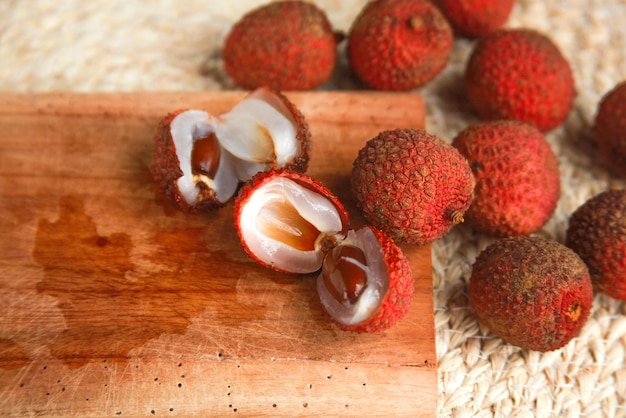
(205, 155)
(343, 273)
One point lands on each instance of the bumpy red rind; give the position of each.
(517, 177)
(475, 18)
(399, 44)
(520, 74)
(288, 45)
(412, 185)
(609, 128)
(532, 292)
(597, 233)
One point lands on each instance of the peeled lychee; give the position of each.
(200, 160)
(399, 44)
(475, 18)
(286, 45)
(597, 233)
(517, 177)
(290, 222)
(520, 74)
(412, 185)
(610, 128)
(532, 292)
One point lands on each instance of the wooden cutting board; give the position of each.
(112, 302)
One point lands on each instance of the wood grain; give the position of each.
(115, 303)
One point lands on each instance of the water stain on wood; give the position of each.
(12, 354)
(110, 304)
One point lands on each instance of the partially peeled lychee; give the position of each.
(290, 222)
(199, 160)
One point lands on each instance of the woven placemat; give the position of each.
(117, 45)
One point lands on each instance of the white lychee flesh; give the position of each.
(259, 133)
(186, 127)
(268, 228)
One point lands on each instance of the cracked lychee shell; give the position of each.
(412, 185)
(200, 160)
(290, 222)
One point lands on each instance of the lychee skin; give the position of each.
(475, 18)
(412, 185)
(532, 292)
(520, 74)
(397, 301)
(517, 177)
(597, 233)
(287, 45)
(399, 44)
(610, 128)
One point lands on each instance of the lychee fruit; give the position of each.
(290, 222)
(411, 184)
(610, 128)
(200, 160)
(475, 18)
(532, 292)
(517, 177)
(285, 45)
(399, 44)
(520, 74)
(597, 233)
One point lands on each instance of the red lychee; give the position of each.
(597, 233)
(517, 177)
(475, 18)
(610, 128)
(520, 74)
(286, 45)
(290, 222)
(411, 184)
(399, 44)
(532, 292)
(199, 160)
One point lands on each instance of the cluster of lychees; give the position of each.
(257, 154)
(500, 176)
